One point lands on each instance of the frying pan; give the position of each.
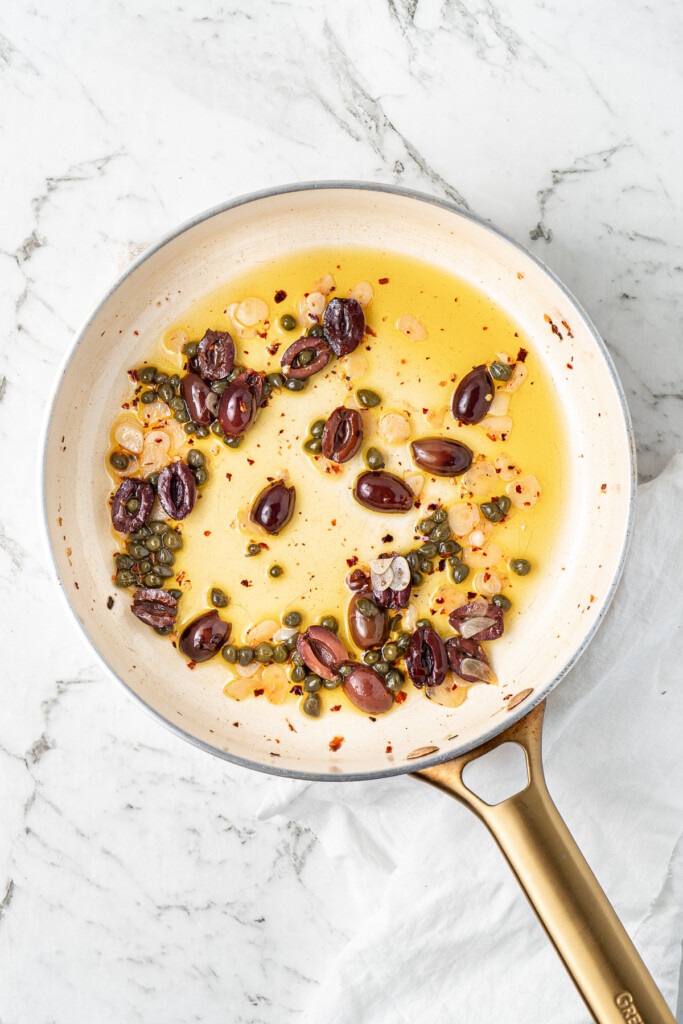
(433, 742)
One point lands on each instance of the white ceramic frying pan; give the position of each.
(436, 742)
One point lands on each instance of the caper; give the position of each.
(313, 445)
(153, 480)
(264, 653)
(491, 511)
(160, 377)
(331, 684)
(191, 349)
(280, 654)
(394, 680)
(292, 620)
(291, 642)
(190, 427)
(217, 429)
(233, 442)
(276, 380)
(163, 630)
(440, 515)
(202, 431)
(316, 428)
(373, 458)
(504, 504)
(218, 597)
(297, 674)
(137, 551)
(426, 526)
(237, 369)
(132, 505)
(173, 540)
(181, 416)
(312, 683)
(147, 397)
(440, 532)
(144, 566)
(174, 380)
(287, 322)
(428, 549)
(425, 565)
(200, 477)
(368, 399)
(427, 623)
(164, 571)
(520, 566)
(119, 460)
(295, 385)
(383, 667)
(195, 459)
(501, 371)
(175, 593)
(416, 578)
(459, 572)
(142, 534)
(345, 670)
(395, 624)
(177, 404)
(367, 607)
(166, 392)
(316, 331)
(253, 549)
(403, 639)
(153, 543)
(219, 386)
(458, 549)
(147, 374)
(275, 571)
(501, 601)
(447, 547)
(305, 357)
(371, 657)
(125, 578)
(151, 579)
(413, 559)
(329, 622)
(164, 557)
(245, 656)
(311, 705)
(390, 652)
(158, 526)
(229, 652)
(124, 562)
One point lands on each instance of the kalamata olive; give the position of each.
(200, 400)
(215, 355)
(202, 637)
(342, 435)
(273, 507)
(322, 651)
(382, 492)
(176, 490)
(426, 658)
(295, 369)
(461, 651)
(344, 325)
(240, 402)
(123, 520)
(478, 620)
(367, 630)
(367, 690)
(392, 591)
(473, 396)
(357, 580)
(155, 607)
(441, 456)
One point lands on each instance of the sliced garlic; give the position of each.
(412, 327)
(175, 341)
(239, 688)
(155, 455)
(470, 627)
(505, 467)
(128, 434)
(179, 439)
(519, 375)
(312, 306)
(415, 481)
(261, 631)
(463, 517)
(480, 479)
(500, 404)
(354, 365)
(524, 492)
(498, 428)
(238, 328)
(324, 284)
(249, 671)
(450, 694)
(362, 293)
(474, 667)
(158, 437)
(447, 598)
(153, 413)
(284, 633)
(251, 311)
(393, 427)
(435, 417)
(484, 557)
(275, 684)
(488, 583)
(410, 617)
(401, 572)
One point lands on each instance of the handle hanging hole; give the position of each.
(498, 774)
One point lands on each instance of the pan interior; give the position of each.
(596, 483)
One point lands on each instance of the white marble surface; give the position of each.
(138, 883)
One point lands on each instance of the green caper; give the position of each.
(440, 515)
(440, 532)
(329, 622)
(275, 571)
(297, 674)
(144, 566)
(371, 657)
(311, 705)
(501, 601)
(264, 653)
(331, 684)
(312, 683)
(151, 579)
(253, 549)
(245, 656)
(459, 572)
(190, 427)
(291, 642)
(153, 480)
(163, 630)
(520, 566)
(394, 680)
(119, 460)
(316, 428)
(383, 667)
(217, 429)
(413, 559)
(164, 571)
(174, 380)
(292, 620)
(191, 349)
(428, 549)
(276, 380)
(287, 322)
(458, 549)
(166, 392)
(237, 369)
(295, 385)
(316, 331)
(200, 477)
(403, 639)
(160, 377)
(501, 371)
(125, 578)
(202, 431)
(425, 565)
(447, 547)
(147, 397)
(124, 562)
(426, 526)
(367, 607)
(142, 534)
(175, 593)
(313, 446)
(164, 557)
(423, 622)
(218, 597)
(233, 442)
(177, 404)
(368, 399)
(173, 540)
(132, 505)
(373, 458)
(395, 624)
(219, 386)
(504, 504)
(153, 543)
(229, 652)
(147, 374)
(181, 416)
(345, 670)
(491, 511)
(137, 551)
(390, 652)
(280, 654)
(416, 578)
(305, 357)
(159, 527)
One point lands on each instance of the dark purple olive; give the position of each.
(215, 356)
(344, 325)
(123, 520)
(441, 456)
(320, 355)
(367, 630)
(357, 580)
(177, 490)
(366, 689)
(473, 396)
(199, 399)
(155, 607)
(342, 435)
(478, 620)
(460, 651)
(202, 637)
(322, 650)
(426, 658)
(240, 403)
(382, 492)
(273, 507)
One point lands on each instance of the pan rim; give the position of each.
(525, 706)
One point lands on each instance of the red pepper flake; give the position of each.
(484, 328)
(603, 487)
(333, 522)
(520, 275)
(440, 600)
(192, 664)
(250, 461)
(518, 488)
(280, 295)
(245, 583)
(291, 727)
(236, 725)
(207, 533)
(592, 598)
(521, 355)
(389, 748)
(272, 349)
(336, 743)
(352, 561)
(400, 697)
(567, 329)
(297, 691)
(425, 411)
(369, 330)
(384, 280)
(337, 707)
(387, 538)
(228, 476)
(258, 693)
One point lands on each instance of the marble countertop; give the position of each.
(136, 881)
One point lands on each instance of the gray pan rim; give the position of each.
(525, 706)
